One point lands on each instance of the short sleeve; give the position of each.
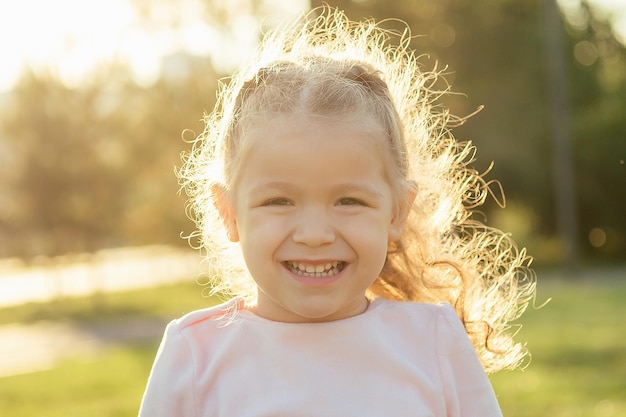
(169, 391)
(467, 390)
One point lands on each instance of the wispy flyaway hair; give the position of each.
(326, 65)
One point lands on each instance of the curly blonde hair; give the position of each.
(326, 64)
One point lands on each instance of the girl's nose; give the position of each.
(314, 229)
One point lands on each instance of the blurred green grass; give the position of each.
(578, 365)
(578, 347)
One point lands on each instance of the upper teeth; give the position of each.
(314, 268)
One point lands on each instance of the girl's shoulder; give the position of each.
(216, 314)
(440, 321)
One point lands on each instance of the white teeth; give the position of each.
(309, 270)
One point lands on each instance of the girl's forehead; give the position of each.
(271, 130)
(295, 123)
(283, 133)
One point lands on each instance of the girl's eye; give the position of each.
(348, 201)
(277, 202)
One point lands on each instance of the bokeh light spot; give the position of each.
(586, 53)
(597, 237)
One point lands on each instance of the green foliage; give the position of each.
(58, 178)
(598, 89)
(93, 166)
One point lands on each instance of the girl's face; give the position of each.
(314, 212)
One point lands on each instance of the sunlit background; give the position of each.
(70, 39)
(95, 96)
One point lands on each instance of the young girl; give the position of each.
(334, 206)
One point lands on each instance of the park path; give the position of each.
(36, 347)
(108, 270)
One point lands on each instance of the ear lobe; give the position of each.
(399, 220)
(226, 211)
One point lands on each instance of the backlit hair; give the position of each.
(327, 65)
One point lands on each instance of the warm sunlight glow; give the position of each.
(613, 10)
(68, 37)
(71, 38)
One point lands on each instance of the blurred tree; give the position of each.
(62, 188)
(159, 120)
(93, 167)
(566, 213)
(597, 80)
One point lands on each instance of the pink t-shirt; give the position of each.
(396, 359)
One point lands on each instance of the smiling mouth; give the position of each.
(317, 271)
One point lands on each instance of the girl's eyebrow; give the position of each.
(271, 185)
(360, 187)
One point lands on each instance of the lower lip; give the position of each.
(317, 281)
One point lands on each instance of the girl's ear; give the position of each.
(399, 220)
(226, 211)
